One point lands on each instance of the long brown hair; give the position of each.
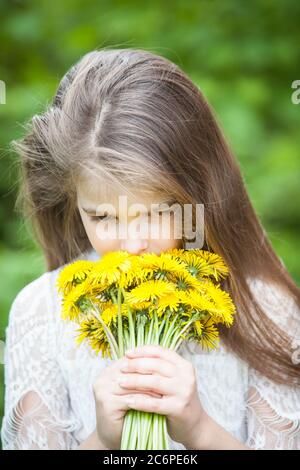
(134, 116)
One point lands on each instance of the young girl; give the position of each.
(129, 122)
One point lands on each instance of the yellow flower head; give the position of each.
(110, 267)
(73, 274)
(175, 252)
(149, 290)
(224, 308)
(91, 329)
(163, 265)
(134, 305)
(71, 302)
(110, 313)
(186, 281)
(135, 274)
(202, 263)
(195, 301)
(170, 301)
(206, 334)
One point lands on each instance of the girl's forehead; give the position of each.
(94, 192)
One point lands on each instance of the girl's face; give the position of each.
(121, 222)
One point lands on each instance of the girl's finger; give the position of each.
(115, 389)
(118, 390)
(155, 383)
(149, 365)
(163, 406)
(154, 350)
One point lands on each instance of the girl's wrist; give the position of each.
(92, 443)
(209, 435)
(200, 438)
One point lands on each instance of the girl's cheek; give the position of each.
(162, 245)
(104, 246)
(97, 241)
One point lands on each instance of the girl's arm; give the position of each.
(37, 414)
(92, 443)
(211, 436)
(273, 409)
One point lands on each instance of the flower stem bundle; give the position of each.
(123, 300)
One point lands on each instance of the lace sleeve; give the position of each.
(37, 412)
(273, 410)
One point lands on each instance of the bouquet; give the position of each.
(123, 300)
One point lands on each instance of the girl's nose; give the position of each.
(134, 246)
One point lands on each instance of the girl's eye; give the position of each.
(101, 218)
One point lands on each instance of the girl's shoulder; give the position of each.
(30, 314)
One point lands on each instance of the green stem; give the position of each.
(161, 326)
(166, 326)
(149, 332)
(178, 335)
(155, 431)
(169, 332)
(126, 339)
(165, 434)
(126, 431)
(156, 328)
(120, 325)
(148, 432)
(131, 323)
(112, 342)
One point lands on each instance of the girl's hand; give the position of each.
(161, 370)
(111, 405)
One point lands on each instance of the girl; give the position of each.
(131, 122)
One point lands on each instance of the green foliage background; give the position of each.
(243, 55)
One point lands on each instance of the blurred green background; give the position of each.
(244, 56)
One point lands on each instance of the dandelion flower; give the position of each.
(162, 265)
(205, 263)
(109, 268)
(224, 306)
(170, 301)
(71, 308)
(209, 335)
(150, 290)
(91, 329)
(73, 274)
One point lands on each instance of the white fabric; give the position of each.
(49, 402)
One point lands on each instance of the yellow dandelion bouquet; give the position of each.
(123, 300)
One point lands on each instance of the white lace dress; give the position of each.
(45, 368)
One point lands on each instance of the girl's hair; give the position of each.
(134, 117)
